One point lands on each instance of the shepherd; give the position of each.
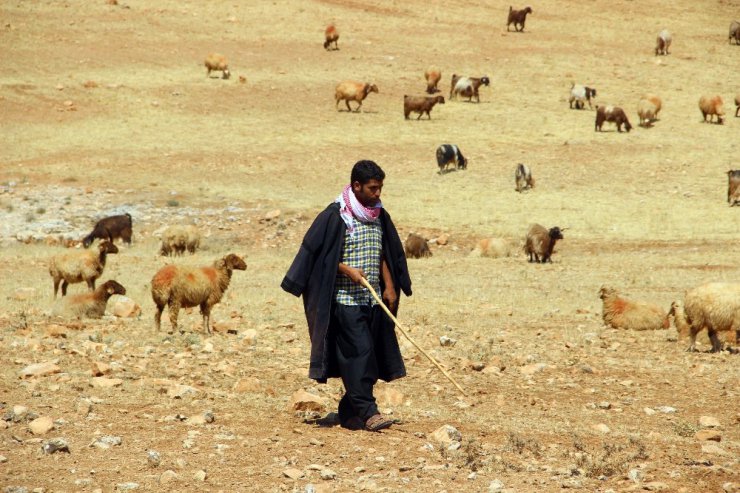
(350, 242)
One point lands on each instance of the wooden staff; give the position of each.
(400, 328)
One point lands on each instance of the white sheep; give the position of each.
(714, 306)
(580, 95)
(621, 313)
(217, 62)
(663, 42)
(88, 305)
(74, 267)
(712, 105)
(176, 239)
(185, 287)
(646, 111)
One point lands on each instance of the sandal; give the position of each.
(377, 422)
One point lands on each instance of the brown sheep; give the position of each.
(467, 87)
(737, 105)
(734, 32)
(493, 248)
(109, 228)
(523, 177)
(663, 42)
(580, 93)
(420, 104)
(185, 287)
(176, 239)
(611, 114)
(217, 62)
(540, 242)
(416, 247)
(517, 17)
(733, 187)
(89, 305)
(712, 105)
(714, 306)
(646, 112)
(350, 90)
(331, 35)
(432, 75)
(73, 267)
(621, 313)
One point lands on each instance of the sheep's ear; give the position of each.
(111, 290)
(221, 263)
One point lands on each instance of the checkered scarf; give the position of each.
(350, 207)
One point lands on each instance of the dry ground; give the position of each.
(646, 213)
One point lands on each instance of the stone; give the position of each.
(709, 422)
(127, 486)
(3, 459)
(200, 475)
(327, 474)
(713, 449)
(601, 428)
(731, 487)
(666, 409)
(55, 445)
(635, 475)
(388, 396)
(249, 337)
(445, 341)
(496, 486)
(98, 368)
(16, 414)
(83, 407)
(708, 435)
(655, 486)
(125, 307)
(249, 384)
(105, 383)
(106, 441)
(446, 435)
(530, 370)
(153, 458)
(39, 370)
(41, 426)
(442, 239)
(304, 401)
(53, 330)
(180, 391)
(168, 476)
(293, 473)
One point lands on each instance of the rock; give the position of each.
(445, 341)
(708, 435)
(709, 422)
(327, 474)
(604, 405)
(388, 396)
(655, 486)
(125, 307)
(168, 476)
(106, 441)
(209, 416)
(24, 294)
(200, 475)
(83, 407)
(249, 337)
(666, 409)
(293, 473)
(153, 458)
(39, 370)
(98, 368)
(180, 391)
(601, 428)
(713, 449)
(53, 330)
(635, 475)
(16, 414)
(530, 370)
(41, 426)
(126, 486)
(55, 445)
(648, 411)
(304, 401)
(249, 384)
(3, 459)
(496, 486)
(446, 435)
(271, 215)
(442, 239)
(731, 487)
(105, 383)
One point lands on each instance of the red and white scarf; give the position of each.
(350, 207)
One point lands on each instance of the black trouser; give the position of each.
(356, 331)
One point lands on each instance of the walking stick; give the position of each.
(400, 328)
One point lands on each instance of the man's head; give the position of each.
(367, 182)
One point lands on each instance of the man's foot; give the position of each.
(377, 422)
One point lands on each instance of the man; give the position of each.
(351, 337)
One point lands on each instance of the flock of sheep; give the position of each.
(173, 286)
(714, 306)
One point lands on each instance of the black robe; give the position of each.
(313, 274)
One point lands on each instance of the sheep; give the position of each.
(73, 267)
(420, 104)
(109, 228)
(621, 313)
(467, 86)
(350, 90)
(416, 246)
(733, 187)
(540, 242)
(432, 75)
(712, 105)
(517, 17)
(217, 62)
(734, 32)
(646, 112)
(185, 287)
(88, 305)
(737, 104)
(331, 35)
(714, 306)
(523, 177)
(663, 42)
(579, 94)
(611, 114)
(450, 154)
(492, 248)
(176, 239)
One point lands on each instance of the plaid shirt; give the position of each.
(362, 250)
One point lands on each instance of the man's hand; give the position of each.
(390, 298)
(355, 275)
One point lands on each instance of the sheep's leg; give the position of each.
(716, 343)
(64, 287)
(692, 339)
(56, 287)
(359, 105)
(205, 310)
(174, 312)
(419, 117)
(91, 284)
(158, 317)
